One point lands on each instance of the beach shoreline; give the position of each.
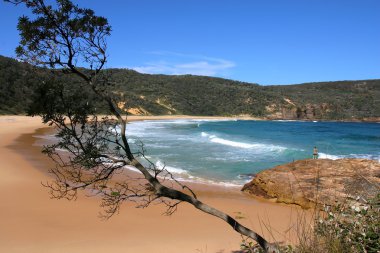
(32, 222)
(233, 117)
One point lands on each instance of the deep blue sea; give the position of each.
(228, 152)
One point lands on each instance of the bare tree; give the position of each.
(71, 41)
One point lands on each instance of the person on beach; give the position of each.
(315, 153)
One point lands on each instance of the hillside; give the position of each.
(200, 95)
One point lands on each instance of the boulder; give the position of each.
(311, 183)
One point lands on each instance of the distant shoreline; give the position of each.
(237, 117)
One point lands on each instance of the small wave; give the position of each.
(51, 137)
(211, 158)
(233, 143)
(203, 134)
(198, 180)
(160, 165)
(115, 130)
(358, 156)
(246, 177)
(179, 121)
(146, 128)
(132, 168)
(234, 183)
(286, 120)
(150, 127)
(215, 139)
(164, 122)
(155, 145)
(328, 156)
(214, 120)
(184, 176)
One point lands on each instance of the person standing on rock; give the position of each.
(315, 153)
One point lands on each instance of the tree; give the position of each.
(71, 42)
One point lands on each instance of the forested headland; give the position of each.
(201, 95)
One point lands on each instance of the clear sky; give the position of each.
(261, 41)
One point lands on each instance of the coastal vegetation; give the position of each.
(146, 94)
(340, 228)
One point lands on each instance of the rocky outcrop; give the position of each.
(323, 181)
(291, 111)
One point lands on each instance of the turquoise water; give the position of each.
(228, 152)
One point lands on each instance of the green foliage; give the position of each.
(343, 229)
(193, 95)
(52, 97)
(115, 193)
(17, 85)
(62, 35)
(352, 228)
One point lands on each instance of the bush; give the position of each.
(343, 228)
(351, 228)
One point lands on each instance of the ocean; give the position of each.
(229, 152)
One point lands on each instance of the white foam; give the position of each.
(215, 139)
(184, 176)
(358, 156)
(177, 121)
(328, 156)
(191, 179)
(366, 156)
(155, 145)
(132, 168)
(51, 137)
(164, 122)
(160, 165)
(232, 143)
(140, 127)
(61, 149)
(114, 130)
(203, 134)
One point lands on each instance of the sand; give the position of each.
(32, 222)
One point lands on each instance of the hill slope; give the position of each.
(200, 95)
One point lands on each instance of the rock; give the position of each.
(318, 182)
(291, 111)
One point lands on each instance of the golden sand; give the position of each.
(32, 222)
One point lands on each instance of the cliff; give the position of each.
(323, 181)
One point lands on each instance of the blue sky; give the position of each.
(266, 42)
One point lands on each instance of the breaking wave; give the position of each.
(358, 156)
(215, 139)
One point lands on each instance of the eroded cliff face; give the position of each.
(323, 181)
(291, 110)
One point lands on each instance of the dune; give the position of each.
(31, 222)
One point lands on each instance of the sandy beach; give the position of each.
(31, 222)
